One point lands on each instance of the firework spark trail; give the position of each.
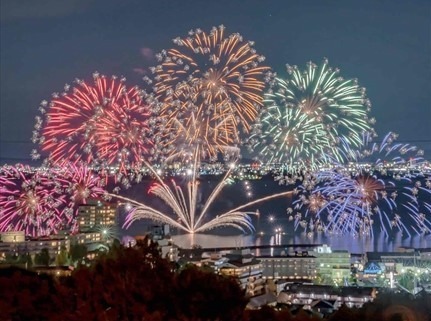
(185, 211)
(185, 207)
(357, 195)
(351, 199)
(196, 135)
(29, 202)
(45, 200)
(312, 118)
(207, 90)
(419, 206)
(237, 213)
(78, 184)
(213, 196)
(383, 152)
(144, 211)
(102, 124)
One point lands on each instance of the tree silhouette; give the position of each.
(137, 284)
(203, 295)
(42, 258)
(62, 258)
(28, 261)
(77, 252)
(344, 313)
(26, 296)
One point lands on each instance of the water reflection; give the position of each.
(380, 242)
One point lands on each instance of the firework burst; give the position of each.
(30, 202)
(209, 87)
(388, 151)
(313, 117)
(79, 182)
(351, 198)
(43, 201)
(190, 217)
(197, 137)
(350, 205)
(103, 123)
(418, 205)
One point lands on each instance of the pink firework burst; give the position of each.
(79, 183)
(45, 200)
(30, 201)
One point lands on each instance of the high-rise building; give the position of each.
(96, 214)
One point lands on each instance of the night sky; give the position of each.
(47, 43)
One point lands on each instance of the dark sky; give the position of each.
(47, 43)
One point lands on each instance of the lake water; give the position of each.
(379, 243)
(272, 216)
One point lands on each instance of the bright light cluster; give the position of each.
(42, 202)
(207, 96)
(208, 89)
(352, 199)
(311, 117)
(101, 123)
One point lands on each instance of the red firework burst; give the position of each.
(79, 184)
(103, 123)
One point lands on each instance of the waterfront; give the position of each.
(272, 217)
(364, 244)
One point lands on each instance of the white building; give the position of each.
(247, 269)
(12, 236)
(168, 249)
(333, 266)
(288, 267)
(14, 243)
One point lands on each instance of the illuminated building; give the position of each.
(87, 238)
(12, 236)
(289, 267)
(332, 266)
(247, 269)
(96, 214)
(16, 245)
(309, 295)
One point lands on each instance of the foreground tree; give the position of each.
(42, 258)
(61, 258)
(137, 284)
(24, 295)
(77, 252)
(124, 284)
(203, 295)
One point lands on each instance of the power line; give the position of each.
(375, 141)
